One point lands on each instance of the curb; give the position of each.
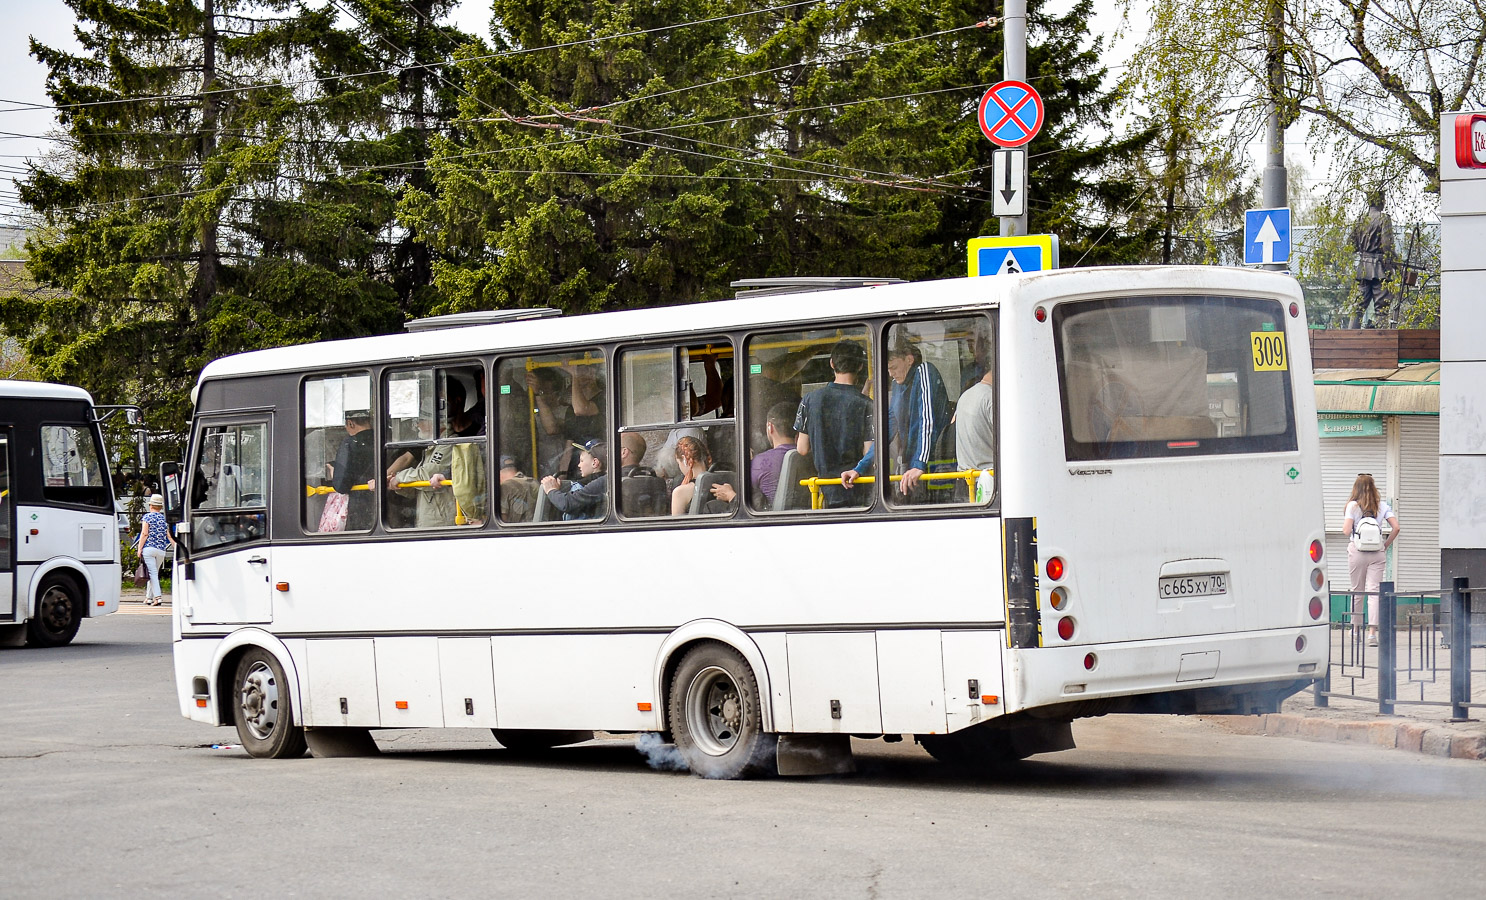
(1416, 737)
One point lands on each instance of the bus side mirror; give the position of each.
(170, 488)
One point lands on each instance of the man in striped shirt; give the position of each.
(918, 411)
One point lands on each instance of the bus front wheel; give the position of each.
(59, 613)
(263, 712)
(715, 714)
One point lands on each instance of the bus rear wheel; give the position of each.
(263, 712)
(59, 613)
(715, 714)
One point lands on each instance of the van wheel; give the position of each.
(715, 714)
(59, 613)
(262, 712)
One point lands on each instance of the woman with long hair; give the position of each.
(1366, 566)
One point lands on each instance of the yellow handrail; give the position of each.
(817, 499)
(312, 490)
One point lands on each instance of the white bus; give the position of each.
(1126, 517)
(59, 539)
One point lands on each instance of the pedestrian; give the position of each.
(1367, 545)
(154, 543)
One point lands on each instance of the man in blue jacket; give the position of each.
(918, 411)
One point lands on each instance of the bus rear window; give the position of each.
(1173, 376)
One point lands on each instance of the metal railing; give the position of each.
(1427, 649)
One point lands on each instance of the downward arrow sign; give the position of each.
(1007, 191)
(1267, 236)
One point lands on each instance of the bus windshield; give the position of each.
(1173, 376)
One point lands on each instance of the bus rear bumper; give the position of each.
(1186, 671)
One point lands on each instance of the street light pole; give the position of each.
(1014, 59)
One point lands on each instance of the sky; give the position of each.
(23, 79)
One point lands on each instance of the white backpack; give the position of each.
(1369, 534)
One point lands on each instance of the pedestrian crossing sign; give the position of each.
(1013, 255)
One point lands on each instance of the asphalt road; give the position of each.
(108, 792)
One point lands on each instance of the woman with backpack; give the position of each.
(1368, 545)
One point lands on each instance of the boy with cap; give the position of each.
(584, 498)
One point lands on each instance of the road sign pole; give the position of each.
(1014, 29)
(1274, 182)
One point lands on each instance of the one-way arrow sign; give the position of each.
(1266, 236)
(1009, 169)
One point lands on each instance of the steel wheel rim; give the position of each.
(56, 609)
(714, 711)
(259, 699)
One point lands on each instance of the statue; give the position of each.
(1372, 238)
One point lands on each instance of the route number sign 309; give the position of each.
(1269, 351)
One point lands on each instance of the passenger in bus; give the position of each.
(435, 502)
(467, 460)
(974, 421)
(353, 467)
(692, 458)
(553, 399)
(583, 498)
(918, 411)
(518, 492)
(632, 449)
(763, 471)
(834, 423)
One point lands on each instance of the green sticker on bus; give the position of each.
(505, 389)
(756, 369)
(1266, 326)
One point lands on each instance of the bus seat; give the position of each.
(704, 489)
(644, 493)
(544, 511)
(789, 493)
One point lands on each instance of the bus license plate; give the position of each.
(1193, 586)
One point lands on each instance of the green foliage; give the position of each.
(822, 139)
(204, 205)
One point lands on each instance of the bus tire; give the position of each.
(715, 714)
(262, 709)
(532, 740)
(59, 612)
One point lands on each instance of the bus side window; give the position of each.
(939, 412)
(549, 408)
(435, 448)
(678, 437)
(338, 455)
(231, 485)
(812, 382)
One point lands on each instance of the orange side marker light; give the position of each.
(201, 702)
(402, 704)
(989, 699)
(643, 707)
(282, 587)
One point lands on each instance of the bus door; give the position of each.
(7, 528)
(229, 487)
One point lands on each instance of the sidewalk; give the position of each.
(1413, 727)
(131, 602)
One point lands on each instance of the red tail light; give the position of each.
(1055, 568)
(1090, 661)
(1317, 551)
(1315, 607)
(1065, 628)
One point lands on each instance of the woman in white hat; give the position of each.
(154, 543)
